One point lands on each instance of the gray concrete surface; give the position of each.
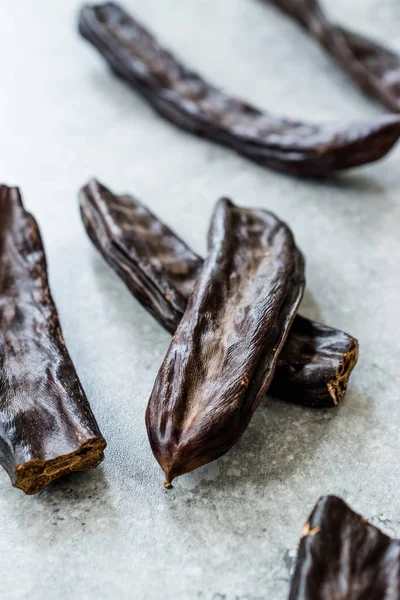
(228, 531)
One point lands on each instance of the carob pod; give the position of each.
(315, 365)
(47, 428)
(158, 268)
(191, 103)
(316, 361)
(372, 67)
(224, 352)
(343, 557)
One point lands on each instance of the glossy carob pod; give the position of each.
(157, 267)
(372, 67)
(343, 557)
(225, 350)
(47, 428)
(315, 365)
(316, 361)
(191, 103)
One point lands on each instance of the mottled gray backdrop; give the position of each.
(230, 530)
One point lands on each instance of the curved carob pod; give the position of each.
(225, 350)
(372, 67)
(343, 557)
(316, 361)
(47, 428)
(191, 103)
(157, 267)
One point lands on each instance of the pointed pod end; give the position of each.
(169, 474)
(10, 195)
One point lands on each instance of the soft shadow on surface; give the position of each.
(70, 505)
(76, 487)
(124, 309)
(87, 487)
(354, 181)
(309, 308)
(119, 298)
(282, 439)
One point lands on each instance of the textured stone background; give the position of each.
(230, 530)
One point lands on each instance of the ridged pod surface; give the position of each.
(342, 557)
(47, 428)
(316, 361)
(372, 67)
(193, 104)
(225, 350)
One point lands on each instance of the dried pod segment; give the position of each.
(183, 97)
(158, 268)
(315, 365)
(316, 361)
(372, 67)
(224, 352)
(47, 428)
(342, 557)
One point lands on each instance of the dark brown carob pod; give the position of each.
(158, 267)
(224, 352)
(315, 365)
(191, 103)
(316, 361)
(342, 557)
(47, 428)
(372, 67)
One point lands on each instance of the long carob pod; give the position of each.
(316, 361)
(158, 268)
(225, 350)
(184, 98)
(343, 557)
(47, 428)
(372, 67)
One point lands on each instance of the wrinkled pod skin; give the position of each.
(47, 428)
(224, 352)
(372, 67)
(316, 361)
(188, 101)
(342, 557)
